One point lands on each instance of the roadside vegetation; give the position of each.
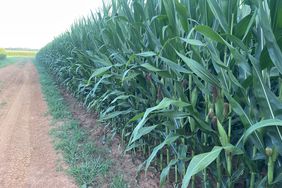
(11, 60)
(87, 163)
(193, 85)
(3, 54)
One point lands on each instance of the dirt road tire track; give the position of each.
(27, 158)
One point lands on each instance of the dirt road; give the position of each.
(27, 158)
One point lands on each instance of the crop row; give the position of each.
(195, 85)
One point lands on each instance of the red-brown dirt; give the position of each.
(27, 158)
(122, 164)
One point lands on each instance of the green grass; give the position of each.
(118, 182)
(12, 60)
(79, 153)
(8, 61)
(85, 161)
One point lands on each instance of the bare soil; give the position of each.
(27, 158)
(122, 164)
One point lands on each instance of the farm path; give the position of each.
(27, 158)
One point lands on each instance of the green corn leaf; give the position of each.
(199, 70)
(204, 126)
(265, 92)
(93, 91)
(233, 149)
(147, 54)
(199, 163)
(166, 170)
(182, 15)
(170, 12)
(193, 42)
(165, 103)
(128, 76)
(145, 130)
(278, 179)
(174, 66)
(218, 62)
(250, 24)
(99, 72)
(208, 32)
(222, 134)
(150, 67)
(136, 117)
(115, 114)
(121, 97)
(272, 46)
(217, 11)
(242, 29)
(236, 107)
(261, 124)
(169, 139)
(239, 110)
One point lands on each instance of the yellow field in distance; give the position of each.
(21, 53)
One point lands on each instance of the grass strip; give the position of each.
(12, 60)
(84, 159)
(8, 61)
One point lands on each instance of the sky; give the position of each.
(34, 23)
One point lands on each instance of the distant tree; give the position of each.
(3, 54)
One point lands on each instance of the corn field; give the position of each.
(193, 85)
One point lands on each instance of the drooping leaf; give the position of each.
(166, 170)
(261, 124)
(98, 72)
(147, 54)
(272, 46)
(193, 42)
(199, 70)
(217, 11)
(198, 163)
(169, 139)
(208, 32)
(165, 103)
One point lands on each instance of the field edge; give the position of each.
(85, 161)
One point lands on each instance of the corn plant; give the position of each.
(195, 86)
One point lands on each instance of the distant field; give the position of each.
(21, 53)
